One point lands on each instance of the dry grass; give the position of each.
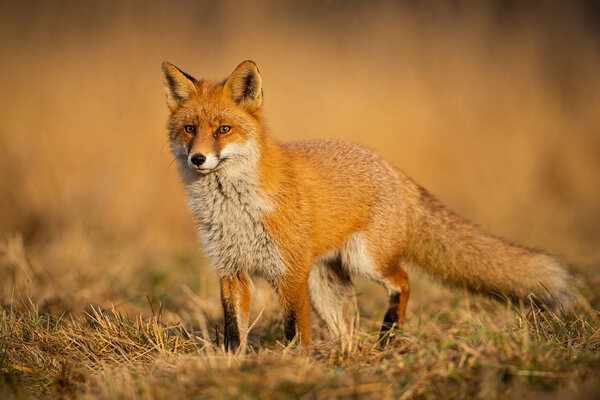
(465, 347)
(492, 106)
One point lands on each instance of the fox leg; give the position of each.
(296, 309)
(398, 288)
(235, 298)
(331, 291)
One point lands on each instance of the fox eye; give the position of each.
(223, 129)
(190, 129)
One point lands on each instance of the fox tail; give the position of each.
(460, 253)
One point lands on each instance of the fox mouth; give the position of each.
(202, 171)
(206, 171)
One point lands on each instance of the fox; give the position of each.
(309, 216)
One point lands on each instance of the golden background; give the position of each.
(492, 106)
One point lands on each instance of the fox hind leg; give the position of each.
(331, 294)
(398, 288)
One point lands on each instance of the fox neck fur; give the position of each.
(229, 205)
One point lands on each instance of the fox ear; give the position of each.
(244, 86)
(179, 86)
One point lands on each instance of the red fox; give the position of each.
(308, 216)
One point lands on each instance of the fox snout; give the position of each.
(197, 159)
(202, 162)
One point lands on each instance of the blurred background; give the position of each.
(494, 106)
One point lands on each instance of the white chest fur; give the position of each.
(229, 211)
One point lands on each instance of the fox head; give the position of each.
(213, 125)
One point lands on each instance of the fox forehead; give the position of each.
(209, 105)
(207, 102)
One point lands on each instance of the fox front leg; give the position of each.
(235, 298)
(295, 304)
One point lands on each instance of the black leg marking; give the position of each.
(391, 316)
(289, 326)
(232, 333)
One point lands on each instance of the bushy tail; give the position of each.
(451, 248)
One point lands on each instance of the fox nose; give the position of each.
(198, 159)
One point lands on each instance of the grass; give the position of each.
(467, 347)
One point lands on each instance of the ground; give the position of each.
(169, 341)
